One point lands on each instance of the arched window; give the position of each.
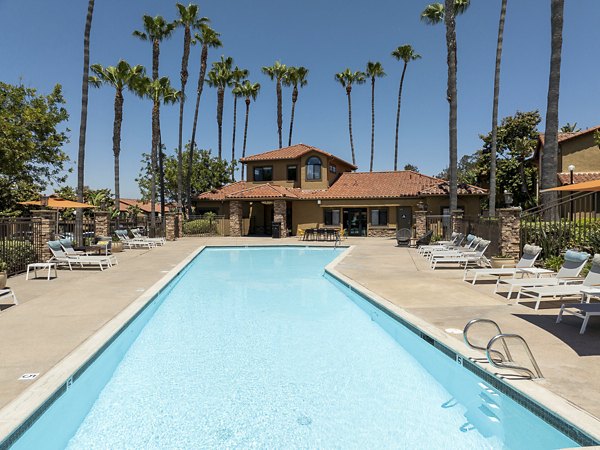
(313, 168)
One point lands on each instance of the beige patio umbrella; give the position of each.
(56, 203)
(586, 186)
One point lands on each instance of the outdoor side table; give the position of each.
(41, 266)
(588, 292)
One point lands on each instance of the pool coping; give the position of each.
(23, 411)
(532, 395)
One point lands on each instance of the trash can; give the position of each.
(276, 230)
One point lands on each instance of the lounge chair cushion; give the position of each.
(575, 256)
(470, 237)
(531, 249)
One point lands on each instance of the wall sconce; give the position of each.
(508, 198)
(319, 202)
(422, 206)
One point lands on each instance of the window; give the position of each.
(379, 217)
(263, 173)
(332, 168)
(313, 168)
(292, 172)
(332, 217)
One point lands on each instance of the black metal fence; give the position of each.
(486, 228)
(66, 228)
(570, 222)
(20, 243)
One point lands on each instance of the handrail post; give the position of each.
(502, 365)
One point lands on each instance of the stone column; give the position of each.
(510, 231)
(179, 224)
(457, 225)
(280, 215)
(170, 226)
(46, 231)
(101, 223)
(420, 223)
(236, 214)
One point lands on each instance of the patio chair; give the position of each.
(67, 246)
(8, 292)
(425, 239)
(470, 246)
(569, 271)
(139, 236)
(530, 255)
(582, 310)
(568, 289)
(475, 257)
(456, 239)
(59, 256)
(123, 236)
(403, 236)
(462, 243)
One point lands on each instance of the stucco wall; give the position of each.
(582, 152)
(306, 214)
(471, 205)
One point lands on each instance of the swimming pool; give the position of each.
(254, 347)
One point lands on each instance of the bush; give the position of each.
(556, 237)
(17, 254)
(200, 226)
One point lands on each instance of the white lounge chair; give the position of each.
(530, 255)
(455, 240)
(139, 236)
(454, 251)
(466, 258)
(123, 236)
(60, 257)
(9, 293)
(582, 310)
(569, 271)
(564, 290)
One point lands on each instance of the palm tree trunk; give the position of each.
(220, 100)
(372, 123)
(203, 59)
(161, 174)
(550, 151)
(83, 121)
(155, 135)
(348, 94)
(294, 100)
(279, 113)
(245, 133)
(398, 116)
(492, 206)
(452, 100)
(117, 142)
(233, 137)
(184, 76)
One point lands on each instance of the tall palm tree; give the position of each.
(219, 77)
(492, 207)
(188, 19)
(374, 70)
(296, 76)
(433, 14)
(347, 79)
(249, 91)
(237, 77)
(209, 38)
(121, 77)
(550, 153)
(83, 120)
(156, 29)
(407, 54)
(277, 72)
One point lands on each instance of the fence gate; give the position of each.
(440, 225)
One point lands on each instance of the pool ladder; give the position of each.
(495, 357)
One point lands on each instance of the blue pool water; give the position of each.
(255, 348)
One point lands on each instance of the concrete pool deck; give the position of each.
(54, 318)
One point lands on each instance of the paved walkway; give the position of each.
(55, 317)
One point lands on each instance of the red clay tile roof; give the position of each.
(263, 191)
(578, 177)
(293, 152)
(246, 191)
(566, 136)
(144, 206)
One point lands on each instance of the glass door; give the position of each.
(355, 220)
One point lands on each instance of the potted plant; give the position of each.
(117, 245)
(3, 275)
(500, 261)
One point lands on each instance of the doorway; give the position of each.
(404, 217)
(355, 220)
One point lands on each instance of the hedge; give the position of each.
(17, 254)
(200, 226)
(556, 237)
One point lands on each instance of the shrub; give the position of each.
(200, 226)
(17, 254)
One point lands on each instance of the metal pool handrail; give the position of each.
(468, 326)
(508, 365)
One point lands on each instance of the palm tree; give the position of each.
(407, 54)
(209, 38)
(249, 91)
(277, 72)
(569, 128)
(83, 120)
(492, 206)
(347, 79)
(156, 29)
(296, 76)
(237, 76)
(188, 19)
(550, 153)
(374, 70)
(219, 77)
(433, 14)
(121, 77)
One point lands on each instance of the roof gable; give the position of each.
(292, 152)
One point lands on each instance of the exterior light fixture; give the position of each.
(44, 200)
(571, 170)
(508, 198)
(318, 201)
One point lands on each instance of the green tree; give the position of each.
(249, 91)
(31, 155)
(434, 14)
(208, 173)
(411, 167)
(295, 77)
(374, 70)
(569, 128)
(189, 20)
(209, 38)
(407, 54)
(237, 77)
(120, 77)
(156, 29)
(219, 77)
(347, 79)
(550, 153)
(277, 72)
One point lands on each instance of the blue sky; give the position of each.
(42, 45)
